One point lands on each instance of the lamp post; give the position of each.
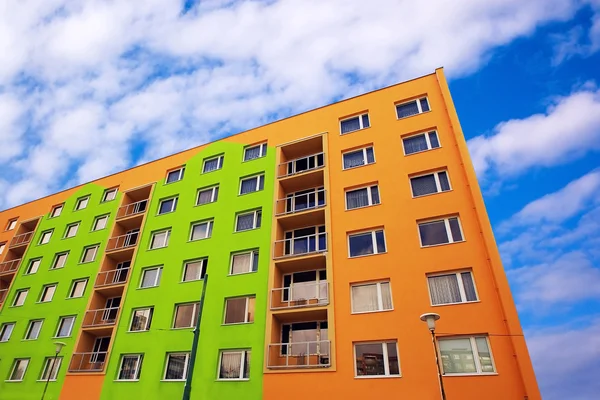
(57, 350)
(430, 318)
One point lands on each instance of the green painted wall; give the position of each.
(38, 350)
(160, 339)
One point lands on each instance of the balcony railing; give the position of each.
(300, 165)
(301, 245)
(8, 267)
(3, 294)
(112, 277)
(132, 209)
(299, 355)
(21, 239)
(101, 317)
(88, 362)
(121, 242)
(301, 202)
(305, 294)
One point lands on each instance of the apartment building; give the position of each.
(325, 236)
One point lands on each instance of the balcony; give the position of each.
(313, 354)
(104, 317)
(123, 242)
(129, 210)
(88, 362)
(9, 267)
(301, 208)
(111, 277)
(301, 173)
(300, 295)
(300, 246)
(22, 239)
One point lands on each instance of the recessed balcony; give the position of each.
(104, 317)
(299, 246)
(300, 295)
(22, 239)
(9, 267)
(296, 355)
(88, 362)
(123, 242)
(301, 173)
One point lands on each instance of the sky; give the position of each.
(88, 88)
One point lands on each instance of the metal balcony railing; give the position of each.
(300, 165)
(132, 209)
(299, 354)
(101, 317)
(129, 239)
(301, 245)
(21, 239)
(8, 267)
(112, 277)
(301, 202)
(305, 294)
(88, 362)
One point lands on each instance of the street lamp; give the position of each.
(430, 318)
(57, 349)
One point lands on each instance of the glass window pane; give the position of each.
(457, 356)
(235, 311)
(444, 289)
(485, 357)
(176, 366)
(194, 271)
(245, 222)
(370, 155)
(354, 159)
(423, 185)
(364, 298)
(200, 231)
(415, 144)
(380, 242)
(433, 139)
(375, 194)
(444, 183)
(357, 198)
(469, 286)
(386, 296)
(407, 109)
(231, 363)
(249, 185)
(252, 153)
(369, 359)
(433, 233)
(185, 316)
(424, 104)
(365, 121)
(393, 361)
(350, 125)
(361, 244)
(455, 229)
(241, 263)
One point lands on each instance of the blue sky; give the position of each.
(91, 87)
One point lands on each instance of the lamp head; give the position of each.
(430, 318)
(59, 346)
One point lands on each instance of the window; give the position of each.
(208, 195)
(20, 297)
(56, 211)
(6, 331)
(254, 152)
(442, 231)
(82, 203)
(452, 288)
(175, 175)
(247, 221)
(100, 223)
(47, 293)
(142, 318)
(176, 369)
(71, 230)
(186, 315)
(239, 310)
(19, 369)
(431, 183)
(160, 239)
(354, 123)
(33, 329)
(109, 195)
(242, 263)
(130, 367)
(45, 237)
(376, 359)
(412, 107)
(234, 365)
(51, 368)
(60, 260)
(365, 243)
(356, 158)
(2, 247)
(65, 326)
(151, 277)
(370, 297)
(78, 288)
(194, 270)
(33, 266)
(466, 355)
(213, 164)
(11, 224)
(252, 184)
(201, 230)
(89, 254)
(363, 197)
(421, 142)
(167, 205)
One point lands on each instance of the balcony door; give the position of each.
(304, 286)
(305, 199)
(305, 338)
(111, 309)
(305, 240)
(100, 348)
(121, 272)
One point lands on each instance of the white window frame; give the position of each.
(246, 321)
(61, 321)
(44, 235)
(165, 243)
(243, 359)
(57, 258)
(419, 107)
(194, 315)
(48, 368)
(14, 368)
(56, 210)
(438, 185)
(30, 270)
(373, 239)
(263, 151)
(204, 267)
(360, 122)
(45, 290)
(16, 302)
(254, 223)
(138, 366)
(213, 195)
(379, 297)
(475, 351)
(106, 196)
(68, 230)
(30, 327)
(427, 140)
(11, 224)
(82, 203)
(448, 231)
(173, 205)
(74, 286)
(4, 328)
(209, 227)
(365, 158)
(461, 287)
(259, 177)
(85, 250)
(253, 254)
(369, 195)
(386, 365)
(2, 247)
(148, 320)
(185, 368)
(97, 220)
(156, 279)
(180, 170)
(220, 159)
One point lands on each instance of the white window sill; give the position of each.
(13, 381)
(359, 208)
(421, 151)
(61, 337)
(172, 380)
(126, 380)
(367, 255)
(243, 273)
(237, 323)
(471, 374)
(414, 115)
(441, 244)
(358, 166)
(233, 380)
(165, 213)
(456, 304)
(43, 380)
(377, 376)
(370, 312)
(432, 194)
(140, 331)
(197, 240)
(356, 130)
